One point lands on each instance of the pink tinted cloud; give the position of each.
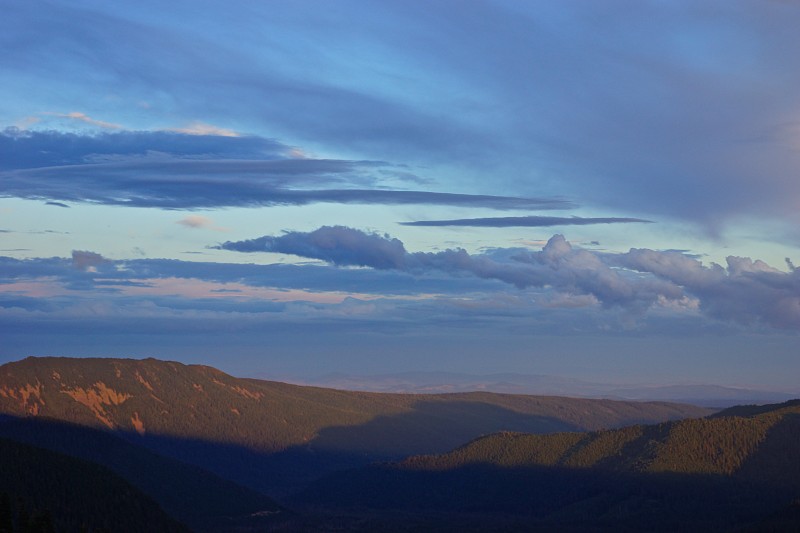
(195, 288)
(200, 222)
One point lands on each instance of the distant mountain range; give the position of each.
(707, 395)
(219, 453)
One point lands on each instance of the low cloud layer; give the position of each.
(87, 261)
(649, 308)
(746, 292)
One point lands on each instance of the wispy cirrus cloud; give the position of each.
(83, 117)
(201, 128)
(199, 222)
(527, 221)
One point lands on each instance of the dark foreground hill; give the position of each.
(44, 491)
(276, 437)
(193, 496)
(736, 471)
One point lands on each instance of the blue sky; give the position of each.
(601, 190)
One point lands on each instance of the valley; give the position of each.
(219, 453)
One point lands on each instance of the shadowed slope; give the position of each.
(763, 445)
(75, 494)
(197, 498)
(700, 474)
(272, 436)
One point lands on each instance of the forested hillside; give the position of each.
(701, 474)
(197, 498)
(43, 492)
(276, 437)
(725, 445)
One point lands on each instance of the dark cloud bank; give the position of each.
(673, 108)
(747, 291)
(172, 170)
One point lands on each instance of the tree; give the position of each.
(6, 516)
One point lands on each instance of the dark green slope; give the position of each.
(74, 495)
(274, 436)
(752, 410)
(715, 474)
(195, 497)
(763, 446)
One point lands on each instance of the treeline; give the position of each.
(193, 496)
(715, 445)
(16, 518)
(547, 499)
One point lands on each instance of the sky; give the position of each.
(598, 190)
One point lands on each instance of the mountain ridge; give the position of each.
(708, 395)
(377, 461)
(88, 383)
(274, 437)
